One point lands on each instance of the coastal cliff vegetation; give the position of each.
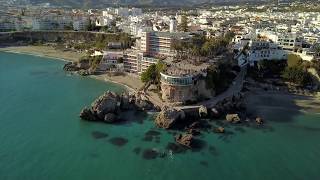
(294, 71)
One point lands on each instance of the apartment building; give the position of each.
(289, 42)
(160, 43)
(150, 48)
(265, 50)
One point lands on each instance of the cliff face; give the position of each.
(183, 94)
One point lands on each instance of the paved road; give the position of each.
(234, 89)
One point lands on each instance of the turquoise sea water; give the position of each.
(41, 136)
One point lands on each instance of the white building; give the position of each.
(173, 25)
(289, 42)
(265, 50)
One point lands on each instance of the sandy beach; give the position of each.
(131, 83)
(46, 51)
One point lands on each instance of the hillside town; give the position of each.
(187, 42)
(192, 59)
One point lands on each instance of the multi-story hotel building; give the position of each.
(152, 46)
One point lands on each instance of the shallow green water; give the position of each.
(42, 137)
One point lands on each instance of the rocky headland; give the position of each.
(108, 106)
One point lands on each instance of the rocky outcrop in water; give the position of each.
(233, 118)
(203, 111)
(259, 120)
(106, 107)
(219, 130)
(185, 140)
(168, 117)
(81, 67)
(71, 66)
(105, 104)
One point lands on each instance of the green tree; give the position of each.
(297, 75)
(150, 74)
(294, 60)
(184, 24)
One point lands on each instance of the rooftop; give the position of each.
(185, 67)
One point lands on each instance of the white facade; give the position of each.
(173, 25)
(265, 50)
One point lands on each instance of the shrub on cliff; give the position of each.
(294, 60)
(297, 75)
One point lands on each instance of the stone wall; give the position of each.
(177, 94)
(183, 94)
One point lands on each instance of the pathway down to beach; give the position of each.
(234, 89)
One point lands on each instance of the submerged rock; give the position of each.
(194, 132)
(168, 117)
(149, 154)
(203, 111)
(219, 130)
(185, 139)
(233, 118)
(259, 120)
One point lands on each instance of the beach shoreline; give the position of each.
(132, 84)
(44, 51)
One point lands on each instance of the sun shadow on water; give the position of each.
(275, 107)
(151, 135)
(99, 134)
(118, 141)
(129, 117)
